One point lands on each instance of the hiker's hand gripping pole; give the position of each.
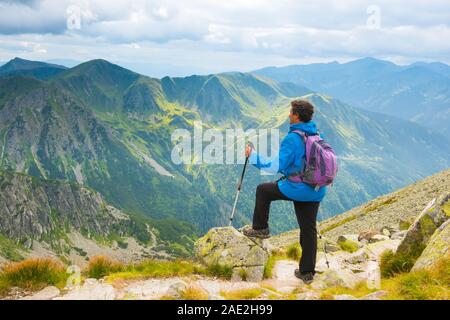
(240, 185)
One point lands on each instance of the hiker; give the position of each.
(306, 198)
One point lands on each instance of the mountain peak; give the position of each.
(369, 61)
(36, 69)
(102, 65)
(23, 64)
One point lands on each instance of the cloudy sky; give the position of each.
(197, 36)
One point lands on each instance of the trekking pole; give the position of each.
(324, 245)
(324, 248)
(239, 186)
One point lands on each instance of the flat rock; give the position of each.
(90, 290)
(151, 289)
(333, 278)
(308, 295)
(47, 293)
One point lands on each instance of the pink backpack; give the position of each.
(320, 167)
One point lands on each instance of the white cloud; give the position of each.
(224, 35)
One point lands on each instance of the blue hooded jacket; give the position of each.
(290, 160)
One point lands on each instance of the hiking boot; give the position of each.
(262, 233)
(306, 277)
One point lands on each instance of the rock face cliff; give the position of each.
(65, 219)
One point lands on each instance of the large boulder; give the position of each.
(437, 247)
(420, 232)
(334, 278)
(227, 247)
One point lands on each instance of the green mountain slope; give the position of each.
(110, 129)
(50, 217)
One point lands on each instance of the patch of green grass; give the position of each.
(9, 249)
(268, 268)
(446, 208)
(224, 272)
(348, 246)
(427, 284)
(163, 269)
(371, 206)
(273, 258)
(358, 291)
(294, 252)
(404, 225)
(194, 293)
(395, 263)
(32, 274)
(102, 266)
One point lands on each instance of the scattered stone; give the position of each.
(331, 247)
(388, 231)
(176, 289)
(47, 293)
(367, 235)
(347, 237)
(321, 264)
(357, 257)
(378, 237)
(399, 235)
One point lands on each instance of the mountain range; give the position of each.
(419, 92)
(108, 129)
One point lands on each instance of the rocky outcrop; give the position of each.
(425, 225)
(394, 210)
(47, 217)
(229, 248)
(438, 247)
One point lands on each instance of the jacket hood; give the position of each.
(307, 127)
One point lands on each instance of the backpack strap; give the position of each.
(301, 134)
(304, 137)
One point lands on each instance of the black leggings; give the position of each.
(306, 213)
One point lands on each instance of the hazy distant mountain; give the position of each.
(419, 92)
(40, 70)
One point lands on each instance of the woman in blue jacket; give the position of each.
(305, 198)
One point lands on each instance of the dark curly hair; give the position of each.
(303, 109)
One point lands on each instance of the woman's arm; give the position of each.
(281, 162)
